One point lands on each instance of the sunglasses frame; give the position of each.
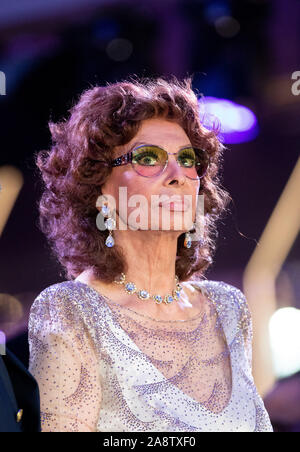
(127, 158)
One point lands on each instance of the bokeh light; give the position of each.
(284, 330)
(238, 123)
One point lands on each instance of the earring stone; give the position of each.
(110, 224)
(187, 240)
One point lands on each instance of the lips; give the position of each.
(175, 204)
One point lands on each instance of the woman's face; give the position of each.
(143, 207)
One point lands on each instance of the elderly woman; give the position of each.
(136, 338)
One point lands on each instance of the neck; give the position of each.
(151, 257)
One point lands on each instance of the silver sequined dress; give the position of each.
(104, 367)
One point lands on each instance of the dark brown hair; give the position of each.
(105, 117)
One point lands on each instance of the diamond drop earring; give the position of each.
(188, 239)
(110, 225)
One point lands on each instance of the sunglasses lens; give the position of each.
(148, 161)
(194, 161)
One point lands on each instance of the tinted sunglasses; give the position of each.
(150, 160)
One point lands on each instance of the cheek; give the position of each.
(118, 179)
(139, 191)
(127, 184)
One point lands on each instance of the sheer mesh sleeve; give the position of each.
(245, 324)
(64, 362)
(263, 423)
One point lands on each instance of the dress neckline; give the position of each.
(109, 301)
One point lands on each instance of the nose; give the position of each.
(174, 172)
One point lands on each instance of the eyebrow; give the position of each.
(149, 144)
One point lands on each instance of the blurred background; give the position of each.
(244, 56)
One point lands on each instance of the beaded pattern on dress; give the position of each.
(103, 367)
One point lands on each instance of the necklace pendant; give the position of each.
(143, 294)
(121, 279)
(130, 287)
(168, 299)
(158, 299)
(176, 294)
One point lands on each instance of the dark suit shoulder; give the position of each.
(23, 392)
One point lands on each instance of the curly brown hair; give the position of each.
(72, 175)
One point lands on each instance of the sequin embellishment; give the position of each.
(103, 367)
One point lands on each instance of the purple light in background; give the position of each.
(2, 343)
(238, 123)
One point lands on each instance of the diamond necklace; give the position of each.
(131, 288)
